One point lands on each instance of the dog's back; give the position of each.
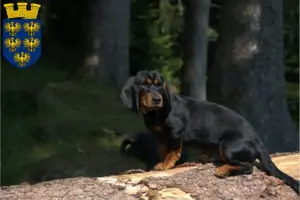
(209, 122)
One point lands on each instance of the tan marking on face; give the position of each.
(146, 100)
(155, 82)
(148, 81)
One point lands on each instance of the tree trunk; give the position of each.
(182, 183)
(196, 16)
(108, 56)
(248, 75)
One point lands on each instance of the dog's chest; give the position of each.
(155, 123)
(155, 128)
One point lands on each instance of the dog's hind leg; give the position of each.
(238, 156)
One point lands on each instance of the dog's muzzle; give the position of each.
(156, 99)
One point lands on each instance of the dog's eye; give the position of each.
(156, 82)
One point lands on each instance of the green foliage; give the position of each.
(154, 37)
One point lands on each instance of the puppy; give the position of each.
(173, 118)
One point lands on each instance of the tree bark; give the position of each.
(196, 16)
(248, 75)
(108, 55)
(182, 183)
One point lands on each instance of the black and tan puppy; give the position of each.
(143, 146)
(174, 118)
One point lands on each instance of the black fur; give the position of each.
(206, 124)
(143, 147)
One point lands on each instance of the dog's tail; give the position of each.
(271, 169)
(124, 145)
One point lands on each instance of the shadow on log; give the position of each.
(192, 181)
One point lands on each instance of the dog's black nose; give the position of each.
(156, 99)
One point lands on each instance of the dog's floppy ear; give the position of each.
(129, 95)
(167, 95)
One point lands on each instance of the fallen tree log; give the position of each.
(185, 183)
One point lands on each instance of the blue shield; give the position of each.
(22, 41)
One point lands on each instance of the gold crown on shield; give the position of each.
(22, 11)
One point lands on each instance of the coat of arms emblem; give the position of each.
(22, 35)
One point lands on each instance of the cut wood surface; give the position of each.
(195, 181)
(289, 164)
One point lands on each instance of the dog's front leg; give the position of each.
(162, 148)
(170, 143)
(170, 152)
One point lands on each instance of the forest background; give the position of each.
(59, 116)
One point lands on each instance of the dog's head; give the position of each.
(147, 91)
